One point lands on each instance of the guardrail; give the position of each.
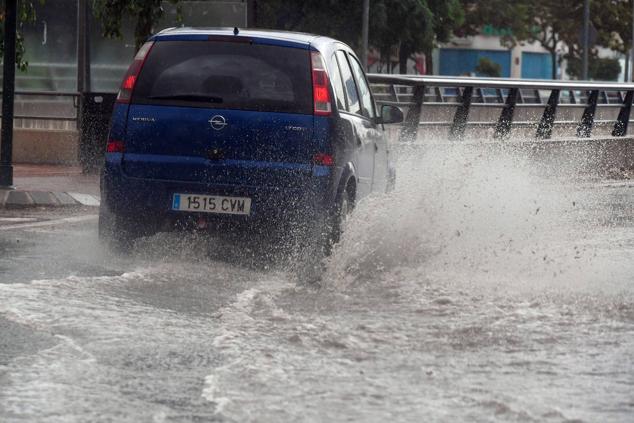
(429, 100)
(543, 100)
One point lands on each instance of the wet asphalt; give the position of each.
(506, 298)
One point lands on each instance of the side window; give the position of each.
(354, 106)
(364, 90)
(337, 85)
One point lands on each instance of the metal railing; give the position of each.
(501, 100)
(430, 100)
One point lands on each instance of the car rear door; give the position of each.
(374, 132)
(222, 112)
(361, 126)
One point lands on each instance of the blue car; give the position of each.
(232, 130)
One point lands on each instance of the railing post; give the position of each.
(545, 128)
(462, 114)
(393, 93)
(584, 130)
(503, 127)
(412, 119)
(439, 96)
(620, 127)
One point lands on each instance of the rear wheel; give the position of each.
(116, 233)
(338, 218)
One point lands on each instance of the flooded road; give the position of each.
(480, 290)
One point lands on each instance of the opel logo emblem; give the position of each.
(218, 122)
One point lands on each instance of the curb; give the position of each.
(10, 199)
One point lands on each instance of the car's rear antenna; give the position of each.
(235, 30)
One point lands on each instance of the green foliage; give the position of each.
(548, 22)
(408, 26)
(145, 12)
(26, 14)
(314, 16)
(613, 22)
(411, 26)
(487, 67)
(513, 16)
(599, 69)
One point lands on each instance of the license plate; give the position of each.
(211, 204)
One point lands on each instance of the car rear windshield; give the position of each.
(226, 75)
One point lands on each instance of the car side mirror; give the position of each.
(391, 114)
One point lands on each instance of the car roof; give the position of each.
(295, 39)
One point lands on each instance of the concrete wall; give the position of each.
(45, 146)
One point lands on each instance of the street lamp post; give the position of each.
(8, 92)
(632, 59)
(364, 33)
(586, 36)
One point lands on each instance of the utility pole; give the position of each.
(586, 36)
(83, 48)
(8, 94)
(632, 57)
(365, 28)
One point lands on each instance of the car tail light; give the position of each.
(323, 159)
(115, 146)
(129, 80)
(321, 86)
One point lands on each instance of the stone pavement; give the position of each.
(50, 186)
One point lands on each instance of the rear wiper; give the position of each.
(188, 97)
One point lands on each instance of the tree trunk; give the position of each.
(429, 63)
(403, 56)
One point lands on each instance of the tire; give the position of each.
(115, 233)
(337, 221)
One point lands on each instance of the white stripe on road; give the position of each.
(85, 199)
(17, 219)
(66, 220)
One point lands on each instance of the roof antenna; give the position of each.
(235, 30)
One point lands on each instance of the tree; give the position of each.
(613, 22)
(448, 16)
(510, 15)
(26, 14)
(553, 22)
(548, 22)
(487, 67)
(600, 69)
(313, 16)
(406, 25)
(146, 12)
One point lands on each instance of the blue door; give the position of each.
(537, 65)
(456, 62)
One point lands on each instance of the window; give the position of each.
(338, 85)
(366, 98)
(226, 75)
(348, 81)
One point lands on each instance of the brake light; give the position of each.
(115, 146)
(321, 85)
(323, 159)
(125, 93)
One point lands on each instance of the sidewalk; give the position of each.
(50, 186)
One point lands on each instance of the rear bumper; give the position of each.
(150, 200)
